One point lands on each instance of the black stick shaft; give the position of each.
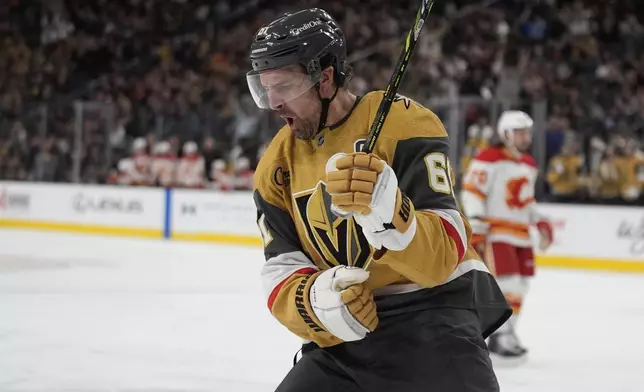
(396, 77)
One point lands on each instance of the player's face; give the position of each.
(290, 92)
(303, 115)
(522, 139)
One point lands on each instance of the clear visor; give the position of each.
(271, 89)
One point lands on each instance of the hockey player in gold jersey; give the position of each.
(630, 166)
(368, 259)
(565, 174)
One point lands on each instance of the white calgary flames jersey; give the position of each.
(221, 180)
(499, 189)
(191, 172)
(162, 168)
(140, 174)
(126, 170)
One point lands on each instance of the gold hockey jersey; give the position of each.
(609, 178)
(564, 174)
(631, 169)
(302, 236)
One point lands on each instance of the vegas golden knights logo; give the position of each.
(336, 240)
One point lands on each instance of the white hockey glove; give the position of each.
(365, 187)
(343, 304)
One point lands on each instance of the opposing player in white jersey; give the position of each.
(141, 160)
(221, 178)
(126, 172)
(134, 170)
(243, 174)
(162, 166)
(499, 199)
(140, 174)
(191, 167)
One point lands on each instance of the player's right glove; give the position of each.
(365, 187)
(343, 304)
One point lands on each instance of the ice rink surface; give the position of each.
(81, 313)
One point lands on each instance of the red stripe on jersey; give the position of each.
(276, 290)
(496, 154)
(528, 160)
(491, 154)
(453, 234)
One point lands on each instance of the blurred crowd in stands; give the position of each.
(163, 96)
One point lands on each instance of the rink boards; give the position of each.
(586, 237)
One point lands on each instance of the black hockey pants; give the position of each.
(432, 350)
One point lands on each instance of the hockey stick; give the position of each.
(394, 82)
(396, 77)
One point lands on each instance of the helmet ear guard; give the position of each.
(314, 69)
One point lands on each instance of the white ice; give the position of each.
(83, 313)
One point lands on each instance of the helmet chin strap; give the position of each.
(326, 102)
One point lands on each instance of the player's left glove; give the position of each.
(365, 187)
(545, 234)
(343, 303)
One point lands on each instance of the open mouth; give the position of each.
(289, 120)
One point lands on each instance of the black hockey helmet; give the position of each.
(311, 38)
